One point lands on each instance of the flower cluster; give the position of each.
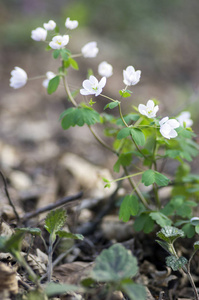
(92, 86)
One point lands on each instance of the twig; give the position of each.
(51, 206)
(8, 196)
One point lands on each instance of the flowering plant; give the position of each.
(140, 135)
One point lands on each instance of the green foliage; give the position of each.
(134, 291)
(69, 235)
(112, 105)
(150, 176)
(114, 264)
(33, 231)
(54, 221)
(169, 234)
(138, 136)
(125, 93)
(128, 208)
(196, 245)
(123, 133)
(144, 222)
(176, 263)
(79, 116)
(123, 160)
(53, 289)
(53, 84)
(73, 63)
(160, 218)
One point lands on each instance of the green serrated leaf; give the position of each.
(111, 105)
(114, 264)
(134, 291)
(69, 235)
(169, 234)
(123, 133)
(79, 116)
(33, 231)
(54, 221)
(176, 263)
(73, 63)
(53, 84)
(138, 136)
(160, 219)
(129, 207)
(150, 176)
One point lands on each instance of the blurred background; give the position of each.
(158, 37)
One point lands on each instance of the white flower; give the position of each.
(39, 34)
(91, 86)
(90, 49)
(149, 109)
(71, 24)
(185, 117)
(167, 127)
(18, 78)
(131, 77)
(49, 76)
(105, 69)
(50, 25)
(59, 41)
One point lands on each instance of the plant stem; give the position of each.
(101, 141)
(68, 91)
(50, 254)
(136, 189)
(8, 196)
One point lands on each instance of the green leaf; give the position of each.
(65, 54)
(73, 63)
(176, 263)
(150, 176)
(54, 289)
(79, 116)
(164, 245)
(11, 244)
(124, 93)
(123, 160)
(138, 136)
(169, 234)
(196, 245)
(123, 133)
(54, 221)
(128, 118)
(129, 207)
(197, 229)
(189, 230)
(160, 218)
(144, 222)
(112, 105)
(69, 235)
(33, 231)
(53, 84)
(56, 53)
(114, 264)
(134, 291)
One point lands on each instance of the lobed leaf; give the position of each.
(150, 176)
(79, 116)
(114, 264)
(160, 218)
(129, 207)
